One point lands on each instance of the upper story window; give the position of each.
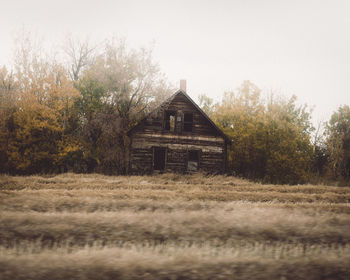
(170, 120)
(188, 122)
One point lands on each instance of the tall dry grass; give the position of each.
(171, 226)
(180, 263)
(252, 224)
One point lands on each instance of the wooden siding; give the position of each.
(204, 137)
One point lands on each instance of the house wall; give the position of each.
(150, 133)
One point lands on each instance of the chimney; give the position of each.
(183, 85)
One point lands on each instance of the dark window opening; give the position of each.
(170, 121)
(193, 160)
(159, 155)
(188, 122)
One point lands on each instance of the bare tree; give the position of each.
(318, 134)
(131, 79)
(127, 84)
(7, 85)
(80, 55)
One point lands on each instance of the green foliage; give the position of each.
(52, 123)
(116, 91)
(270, 139)
(8, 88)
(207, 104)
(338, 142)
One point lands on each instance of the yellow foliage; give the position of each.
(270, 139)
(45, 98)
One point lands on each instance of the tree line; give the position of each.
(72, 113)
(274, 140)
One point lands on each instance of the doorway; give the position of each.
(193, 160)
(159, 158)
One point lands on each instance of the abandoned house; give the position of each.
(177, 137)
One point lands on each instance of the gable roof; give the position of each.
(168, 101)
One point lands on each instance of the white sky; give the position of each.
(299, 47)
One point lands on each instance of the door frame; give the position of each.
(199, 154)
(154, 148)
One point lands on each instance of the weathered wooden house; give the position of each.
(177, 137)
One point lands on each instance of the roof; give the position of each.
(168, 101)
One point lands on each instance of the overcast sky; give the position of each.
(299, 47)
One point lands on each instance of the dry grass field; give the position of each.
(171, 226)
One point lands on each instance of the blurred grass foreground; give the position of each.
(171, 226)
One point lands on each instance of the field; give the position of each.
(171, 226)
